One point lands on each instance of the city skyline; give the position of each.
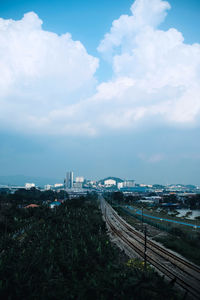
(103, 89)
(71, 180)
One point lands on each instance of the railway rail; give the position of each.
(173, 258)
(181, 271)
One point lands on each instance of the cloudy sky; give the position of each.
(101, 88)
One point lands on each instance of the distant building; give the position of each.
(69, 180)
(31, 206)
(54, 204)
(79, 179)
(129, 183)
(185, 196)
(92, 183)
(120, 185)
(56, 185)
(146, 185)
(28, 186)
(78, 185)
(47, 187)
(154, 199)
(109, 182)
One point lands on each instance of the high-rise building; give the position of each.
(69, 180)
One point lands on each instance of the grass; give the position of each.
(187, 247)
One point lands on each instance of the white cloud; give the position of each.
(145, 13)
(153, 158)
(164, 69)
(40, 72)
(47, 81)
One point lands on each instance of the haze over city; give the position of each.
(100, 88)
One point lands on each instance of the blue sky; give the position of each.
(88, 21)
(123, 101)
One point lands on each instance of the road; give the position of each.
(139, 212)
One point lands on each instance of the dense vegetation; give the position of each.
(65, 253)
(184, 243)
(23, 196)
(12, 216)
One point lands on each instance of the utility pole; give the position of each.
(145, 247)
(142, 221)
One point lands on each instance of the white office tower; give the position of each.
(69, 180)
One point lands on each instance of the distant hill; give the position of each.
(110, 177)
(21, 180)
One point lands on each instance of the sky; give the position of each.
(102, 88)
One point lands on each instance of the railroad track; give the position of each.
(184, 273)
(191, 267)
